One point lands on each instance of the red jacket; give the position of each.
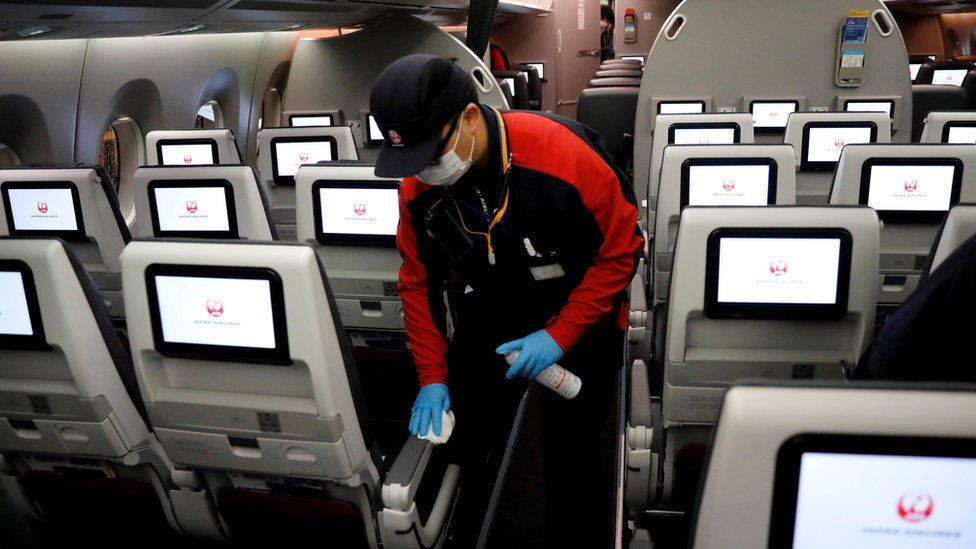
(563, 195)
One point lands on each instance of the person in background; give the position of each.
(606, 33)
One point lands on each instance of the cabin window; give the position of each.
(8, 158)
(209, 116)
(123, 143)
(108, 154)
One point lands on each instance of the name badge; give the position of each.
(547, 272)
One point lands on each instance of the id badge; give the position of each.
(547, 272)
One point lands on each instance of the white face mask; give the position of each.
(450, 168)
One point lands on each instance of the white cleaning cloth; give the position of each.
(447, 427)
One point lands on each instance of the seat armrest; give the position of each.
(401, 526)
(639, 409)
(402, 481)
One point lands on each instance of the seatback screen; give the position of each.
(288, 153)
(43, 209)
(913, 70)
(193, 208)
(953, 77)
(305, 120)
(874, 492)
(187, 152)
(771, 116)
(15, 317)
(20, 312)
(959, 132)
(218, 313)
(540, 68)
(373, 134)
(824, 141)
(797, 274)
(356, 212)
(911, 190)
(709, 133)
(728, 182)
(681, 107)
(865, 105)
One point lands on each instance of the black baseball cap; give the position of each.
(412, 99)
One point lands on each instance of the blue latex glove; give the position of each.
(537, 351)
(432, 401)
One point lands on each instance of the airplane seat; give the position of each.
(73, 427)
(78, 204)
(534, 85)
(625, 64)
(249, 384)
(715, 175)
(690, 129)
(778, 292)
(506, 91)
(949, 127)
(610, 112)
(949, 73)
(928, 98)
(838, 465)
(192, 147)
(350, 216)
(819, 137)
(969, 84)
(614, 81)
(911, 186)
(617, 73)
(282, 150)
(959, 226)
(215, 201)
(518, 81)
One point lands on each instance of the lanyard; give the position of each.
(499, 213)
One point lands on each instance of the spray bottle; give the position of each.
(555, 377)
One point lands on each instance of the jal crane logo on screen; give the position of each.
(911, 185)
(839, 143)
(303, 157)
(915, 507)
(778, 267)
(215, 307)
(187, 158)
(728, 185)
(191, 206)
(42, 207)
(359, 208)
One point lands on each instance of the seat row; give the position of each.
(348, 213)
(239, 415)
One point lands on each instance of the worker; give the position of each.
(517, 233)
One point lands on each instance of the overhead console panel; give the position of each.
(56, 19)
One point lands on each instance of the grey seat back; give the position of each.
(192, 147)
(819, 136)
(927, 98)
(93, 225)
(735, 310)
(681, 160)
(874, 451)
(949, 127)
(905, 243)
(191, 201)
(614, 81)
(280, 187)
(958, 227)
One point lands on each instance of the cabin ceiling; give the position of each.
(931, 7)
(114, 18)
